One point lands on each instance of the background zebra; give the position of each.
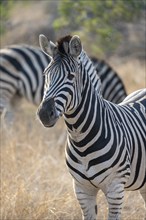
(106, 142)
(112, 86)
(21, 68)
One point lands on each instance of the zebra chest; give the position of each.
(96, 168)
(79, 169)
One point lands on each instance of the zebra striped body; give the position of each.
(112, 86)
(21, 75)
(106, 142)
(21, 68)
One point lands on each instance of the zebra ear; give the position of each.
(48, 47)
(75, 46)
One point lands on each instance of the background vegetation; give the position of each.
(98, 20)
(35, 183)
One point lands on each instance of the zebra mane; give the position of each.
(97, 60)
(62, 42)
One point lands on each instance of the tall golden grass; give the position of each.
(35, 183)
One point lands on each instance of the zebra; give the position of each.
(105, 141)
(112, 86)
(21, 68)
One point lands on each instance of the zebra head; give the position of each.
(63, 81)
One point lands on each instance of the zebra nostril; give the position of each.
(51, 113)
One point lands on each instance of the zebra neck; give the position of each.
(86, 119)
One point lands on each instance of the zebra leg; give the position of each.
(87, 200)
(115, 195)
(5, 111)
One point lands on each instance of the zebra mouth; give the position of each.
(47, 113)
(51, 123)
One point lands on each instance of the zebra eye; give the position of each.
(70, 76)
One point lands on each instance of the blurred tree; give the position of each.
(5, 6)
(97, 21)
(5, 10)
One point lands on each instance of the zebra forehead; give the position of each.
(61, 41)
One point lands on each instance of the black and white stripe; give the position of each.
(106, 142)
(21, 69)
(112, 86)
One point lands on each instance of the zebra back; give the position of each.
(112, 86)
(21, 68)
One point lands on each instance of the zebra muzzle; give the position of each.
(47, 113)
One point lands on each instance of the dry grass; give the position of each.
(35, 183)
